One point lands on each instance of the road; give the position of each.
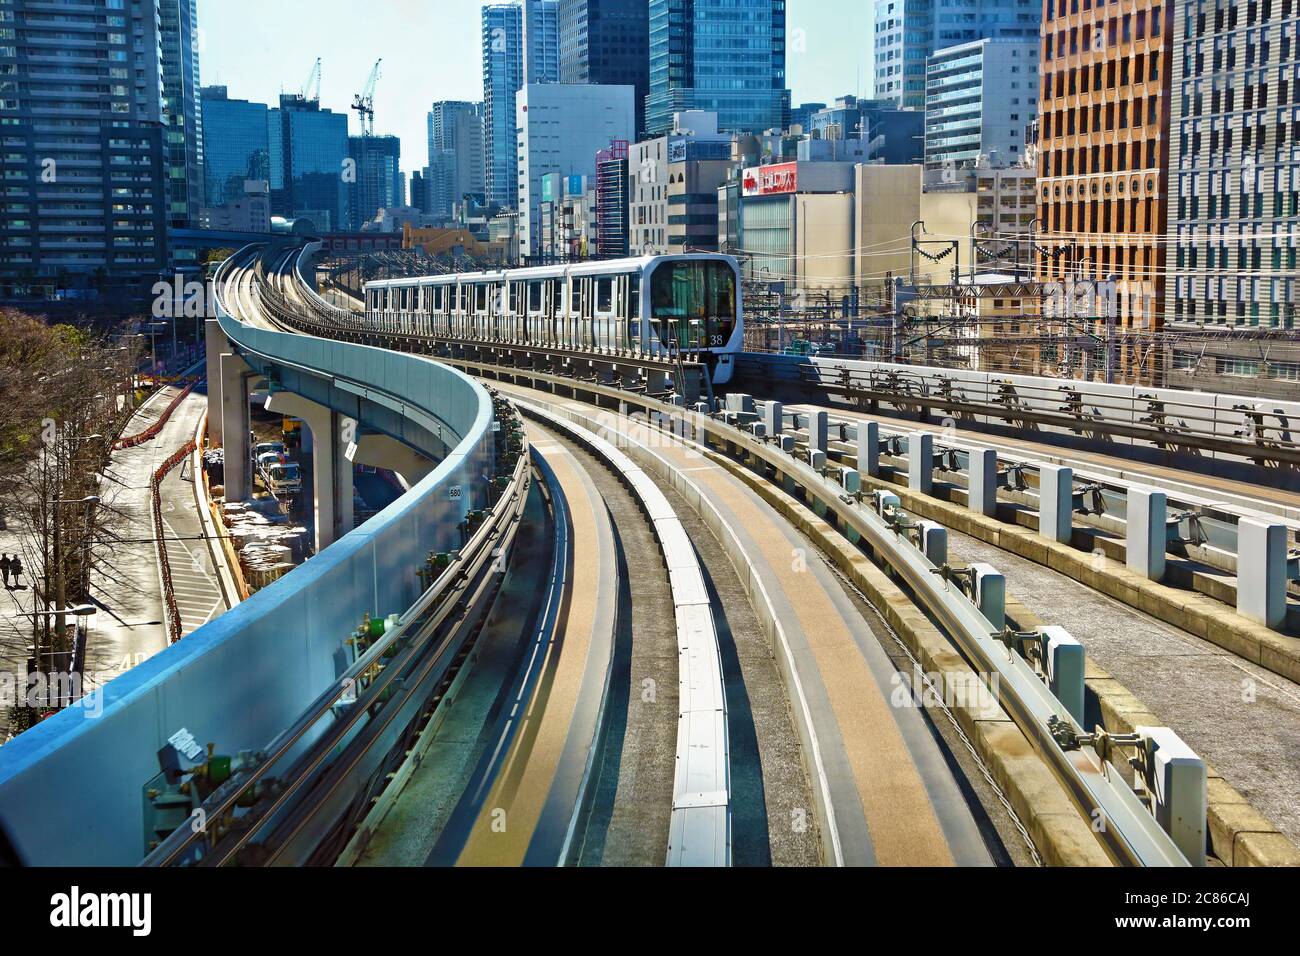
(130, 625)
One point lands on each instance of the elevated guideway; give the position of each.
(84, 787)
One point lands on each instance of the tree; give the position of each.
(62, 403)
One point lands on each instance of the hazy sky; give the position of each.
(430, 50)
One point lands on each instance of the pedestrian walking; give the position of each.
(5, 566)
(16, 569)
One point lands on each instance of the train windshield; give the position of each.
(693, 303)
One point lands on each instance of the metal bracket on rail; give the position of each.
(1196, 532)
(1089, 500)
(1169, 778)
(964, 578)
(1026, 644)
(1013, 477)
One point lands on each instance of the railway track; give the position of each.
(878, 796)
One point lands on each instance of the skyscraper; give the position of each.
(502, 76)
(235, 145)
(183, 115)
(607, 42)
(1104, 141)
(309, 147)
(455, 155)
(378, 182)
(908, 31)
(541, 41)
(1234, 203)
(722, 56)
(81, 124)
(521, 44)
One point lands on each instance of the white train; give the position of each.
(688, 303)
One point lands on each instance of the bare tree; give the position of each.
(64, 397)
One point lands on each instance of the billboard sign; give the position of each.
(771, 180)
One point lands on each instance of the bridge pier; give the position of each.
(233, 381)
(382, 451)
(331, 470)
(216, 345)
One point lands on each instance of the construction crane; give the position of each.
(313, 79)
(364, 102)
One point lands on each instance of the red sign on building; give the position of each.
(771, 180)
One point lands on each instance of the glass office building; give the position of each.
(309, 147)
(721, 56)
(607, 42)
(183, 136)
(236, 146)
(378, 183)
(502, 76)
(980, 96)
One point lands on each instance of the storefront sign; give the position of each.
(771, 180)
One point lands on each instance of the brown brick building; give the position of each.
(1104, 152)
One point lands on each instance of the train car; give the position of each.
(686, 304)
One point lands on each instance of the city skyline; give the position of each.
(828, 55)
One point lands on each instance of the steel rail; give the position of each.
(411, 677)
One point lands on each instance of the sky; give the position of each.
(430, 49)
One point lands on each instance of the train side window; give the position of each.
(605, 296)
(634, 295)
(534, 297)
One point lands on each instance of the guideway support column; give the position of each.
(232, 382)
(331, 470)
(216, 345)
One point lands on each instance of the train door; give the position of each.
(632, 303)
(585, 317)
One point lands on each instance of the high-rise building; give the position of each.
(979, 98)
(83, 199)
(1234, 203)
(720, 56)
(455, 156)
(541, 24)
(235, 149)
(183, 137)
(607, 42)
(908, 31)
(309, 153)
(1103, 161)
(561, 128)
(502, 34)
(378, 182)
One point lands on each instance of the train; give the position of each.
(688, 305)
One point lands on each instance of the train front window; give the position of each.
(693, 303)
